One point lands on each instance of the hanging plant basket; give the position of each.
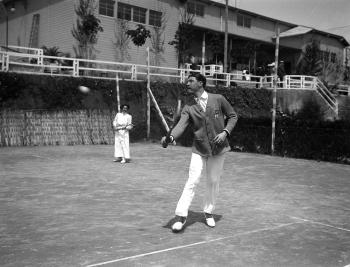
(139, 35)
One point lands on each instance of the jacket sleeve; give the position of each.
(180, 127)
(230, 114)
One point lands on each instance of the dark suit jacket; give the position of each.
(207, 124)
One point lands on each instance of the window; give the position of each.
(155, 18)
(325, 56)
(124, 11)
(129, 12)
(333, 57)
(139, 14)
(106, 8)
(247, 22)
(240, 20)
(244, 21)
(195, 8)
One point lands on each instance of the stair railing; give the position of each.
(326, 95)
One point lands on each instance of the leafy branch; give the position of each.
(139, 35)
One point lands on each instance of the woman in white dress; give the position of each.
(122, 124)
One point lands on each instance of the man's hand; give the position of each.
(166, 140)
(220, 138)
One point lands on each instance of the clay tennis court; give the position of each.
(73, 206)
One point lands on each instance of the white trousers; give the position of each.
(213, 167)
(121, 145)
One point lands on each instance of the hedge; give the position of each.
(302, 135)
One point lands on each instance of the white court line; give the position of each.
(36, 156)
(319, 223)
(193, 244)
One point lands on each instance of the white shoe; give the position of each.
(209, 219)
(123, 161)
(179, 223)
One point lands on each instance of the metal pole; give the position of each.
(226, 36)
(274, 100)
(118, 93)
(7, 31)
(203, 53)
(148, 98)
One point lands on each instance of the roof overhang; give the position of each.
(299, 30)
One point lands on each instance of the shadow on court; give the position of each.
(193, 217)
(73, 206)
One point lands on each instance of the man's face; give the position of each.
(125, 109)
(193, 85)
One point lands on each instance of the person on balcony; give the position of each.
(245, 75)
(194, 66)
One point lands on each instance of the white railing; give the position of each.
(299, 81)
(208, 70)
(326, 95)
(32, 60)
(343, 89)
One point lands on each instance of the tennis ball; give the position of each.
(84, 89)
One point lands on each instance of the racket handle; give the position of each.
(168, 140)
(165, 145)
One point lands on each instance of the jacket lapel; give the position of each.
(209, 103)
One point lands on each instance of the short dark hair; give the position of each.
(124, 105)
(199, 77)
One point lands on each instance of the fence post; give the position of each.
(75, 68)
(6, 64)
(182, 75)
(227, 79)
(40, 58)
(133, 72)
(302, 81)
(314, 83)
(2, 61)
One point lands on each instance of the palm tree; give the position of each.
(310, 62)
(52, 52)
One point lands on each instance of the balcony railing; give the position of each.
(32, 60)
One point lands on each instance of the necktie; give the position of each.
(201, 102)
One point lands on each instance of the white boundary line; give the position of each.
(36, 156)
(323, 224)
(192, 244)
(319, 223)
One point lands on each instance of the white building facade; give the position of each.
(37, 23)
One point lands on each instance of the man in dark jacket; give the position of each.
(213, 119)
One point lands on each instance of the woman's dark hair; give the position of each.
(124, 105)
(199, 77)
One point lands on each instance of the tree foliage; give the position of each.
(216, 45)
(310, 62)
(183, 36)
(139, 35)
(52, 51)
(86, 29)
(158, 40)
(122, 39)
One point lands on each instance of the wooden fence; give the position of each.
(42, 127)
